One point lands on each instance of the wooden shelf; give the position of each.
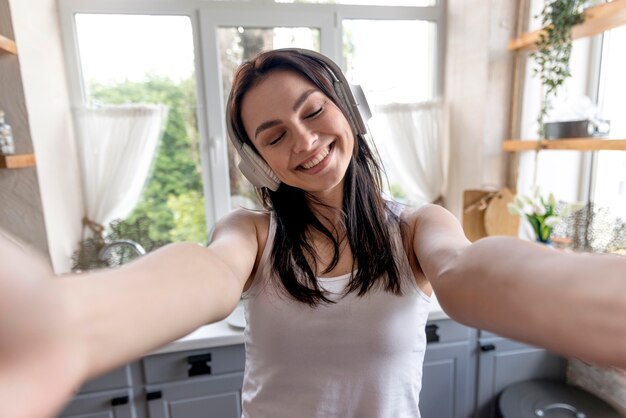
(574, 144)
(17, 161)
(597, 20)
(7, 45)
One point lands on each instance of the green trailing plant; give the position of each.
(554, 49)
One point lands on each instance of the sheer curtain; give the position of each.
(413, 144)
(116, 146)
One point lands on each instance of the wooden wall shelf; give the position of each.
(574, 144)
(598, 19)
(17, 161)
(7, 45)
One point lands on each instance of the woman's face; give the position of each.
(301, 134)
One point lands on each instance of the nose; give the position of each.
(304, 139)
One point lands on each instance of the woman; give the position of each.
(336, 280)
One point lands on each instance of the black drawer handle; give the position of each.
(487, 347)
(121, 400)
(150, 396)
(199, 365)
(431, 333)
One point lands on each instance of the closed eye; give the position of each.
(275, 141)
(317, 112)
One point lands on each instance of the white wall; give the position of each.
(478, 81)
(37, 33)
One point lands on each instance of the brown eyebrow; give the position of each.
(298, 103)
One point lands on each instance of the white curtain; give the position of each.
(413, 144)
(116, 146)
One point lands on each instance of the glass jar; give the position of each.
(7, 146)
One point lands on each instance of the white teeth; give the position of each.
(318, 159)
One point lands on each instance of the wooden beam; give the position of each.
(7, 45)
(597, 20)
(17, 161)
(574, 144)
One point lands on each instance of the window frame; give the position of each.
(206, 16)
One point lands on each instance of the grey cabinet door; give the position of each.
(109, 404)
(448, 380)
(503, 362)
(447, 386)
(207, 397)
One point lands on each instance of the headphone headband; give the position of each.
(252, 165)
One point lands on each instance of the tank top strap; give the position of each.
(265, 263)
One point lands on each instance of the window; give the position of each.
(129, 66)
(609, 184)
(127, 48)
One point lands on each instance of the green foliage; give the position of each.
(554, 49)
(188, 211)
(176, 170)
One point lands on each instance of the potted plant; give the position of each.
(540, 213)
(554, 48)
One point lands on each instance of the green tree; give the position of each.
(176, 168)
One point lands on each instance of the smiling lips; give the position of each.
(317, 159)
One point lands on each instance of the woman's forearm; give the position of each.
(574, 304)
(120, 314)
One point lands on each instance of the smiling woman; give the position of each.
(336, 280)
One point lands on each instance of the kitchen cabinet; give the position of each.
(218, 397)
(465, 370)
(109, 396)
(186, 384)
(195, 384)
(449, 369)
(503, 362)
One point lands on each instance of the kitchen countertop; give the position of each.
(222, 333)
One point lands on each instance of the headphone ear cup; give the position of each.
(256, 170)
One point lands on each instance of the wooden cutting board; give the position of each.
(498, 220)
(485, 213)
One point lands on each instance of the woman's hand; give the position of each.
(39, 367)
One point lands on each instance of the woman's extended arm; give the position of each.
(56, 333)
(573, 304)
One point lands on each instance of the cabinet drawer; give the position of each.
(108, 404)
(190, 364)
(446, 330)
(116, 379)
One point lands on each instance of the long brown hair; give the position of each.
(365, 214)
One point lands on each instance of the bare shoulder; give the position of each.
(413, 215)
(243, 221)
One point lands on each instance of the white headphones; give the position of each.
(252, 165)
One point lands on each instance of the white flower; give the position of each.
(552, 221)
(528, 209)
(539, 208)
(551, 200)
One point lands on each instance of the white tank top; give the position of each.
(360, 357)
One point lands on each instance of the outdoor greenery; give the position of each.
(173, 198)
(554, 49)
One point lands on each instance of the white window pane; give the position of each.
(610, 185)
(150, 59)
(236, 45)
(393, 61)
